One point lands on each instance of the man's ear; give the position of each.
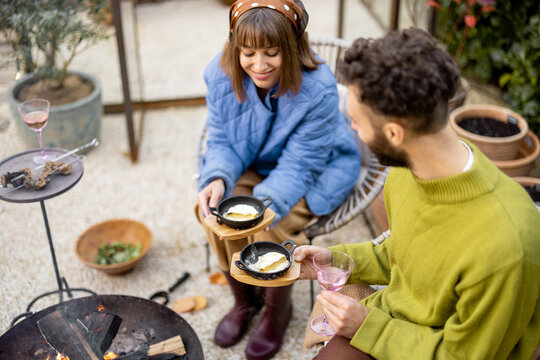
(394, 132)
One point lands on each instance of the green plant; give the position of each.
(117, 252)
(499, 45)
(45, 35)
(520, 76)
(457, 19)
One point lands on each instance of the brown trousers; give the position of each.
(337, 347)
(289, 227)
(340, 348)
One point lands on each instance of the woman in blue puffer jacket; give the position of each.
(274, 129)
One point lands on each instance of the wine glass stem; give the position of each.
(41, 144)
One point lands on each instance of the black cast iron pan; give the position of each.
(251, 253)
(226, 204)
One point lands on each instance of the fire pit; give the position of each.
(143, 324)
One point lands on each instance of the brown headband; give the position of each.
(295, 13)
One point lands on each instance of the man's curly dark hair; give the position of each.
(405, 75)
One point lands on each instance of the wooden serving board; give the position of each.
(227, 233)
(288, 278)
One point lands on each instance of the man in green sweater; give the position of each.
(462, 262)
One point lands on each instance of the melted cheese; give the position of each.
(270, 262)
(241, 212)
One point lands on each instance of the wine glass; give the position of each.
(35, 114)
(333, 270)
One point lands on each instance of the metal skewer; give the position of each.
(94, 143)
(55, 171)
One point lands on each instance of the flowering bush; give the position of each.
(459, 18)
(497, 42)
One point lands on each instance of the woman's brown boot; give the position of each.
(266, 340)
(234, 325)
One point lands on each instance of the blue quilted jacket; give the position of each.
(301, 144)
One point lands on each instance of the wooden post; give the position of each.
(394, 15)
(128, 106)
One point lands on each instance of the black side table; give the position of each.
(58, 185)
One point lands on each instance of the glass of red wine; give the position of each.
(333, 270)
(35, 113)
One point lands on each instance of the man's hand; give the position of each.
(304, 255)
(345, 314)
(210, 196)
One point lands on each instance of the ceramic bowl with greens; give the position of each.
(114, 246)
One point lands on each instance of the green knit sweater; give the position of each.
(462, 265)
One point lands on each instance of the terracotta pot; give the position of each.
(523, 163)
(501, 148)
(528, 181)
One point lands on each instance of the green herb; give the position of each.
(116, 253)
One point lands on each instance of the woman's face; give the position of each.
(263, 65)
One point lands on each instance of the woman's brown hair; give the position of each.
(259, 28)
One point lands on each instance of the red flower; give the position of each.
(487, 8)
(433, 3)
(471, 3)
(470, 20)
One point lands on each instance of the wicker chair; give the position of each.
(372, 174)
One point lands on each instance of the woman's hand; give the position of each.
(304, 255)
(345, 314)
(210, 196)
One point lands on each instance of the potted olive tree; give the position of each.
(45, 36)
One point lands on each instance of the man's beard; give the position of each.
(386, 153)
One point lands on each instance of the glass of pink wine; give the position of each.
(35, 114)
(333, 270)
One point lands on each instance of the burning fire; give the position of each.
(107, 356)
(59, 357)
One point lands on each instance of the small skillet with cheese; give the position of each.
(241, 212)
(265, 260)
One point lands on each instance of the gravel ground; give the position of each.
(158, 191)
